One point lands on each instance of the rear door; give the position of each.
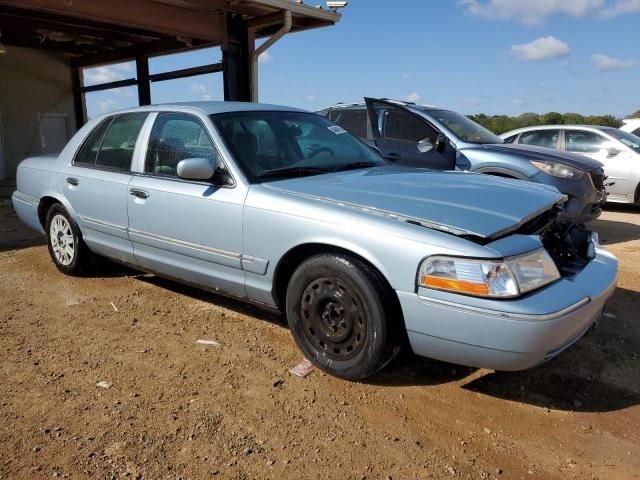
(96, 184)
(617, 167)
(397, 133)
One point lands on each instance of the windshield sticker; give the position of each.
(337, 130)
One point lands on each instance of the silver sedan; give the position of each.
(284, 209)
(618, 150)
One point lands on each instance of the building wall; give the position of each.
(32, 82)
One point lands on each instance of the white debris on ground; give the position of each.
(302, 369)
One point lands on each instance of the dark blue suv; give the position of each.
(422, 136)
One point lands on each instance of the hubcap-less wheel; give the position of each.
(61, 238)
(333, 318)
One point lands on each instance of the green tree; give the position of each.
(573, 118)
(552, 118)
(499, 124)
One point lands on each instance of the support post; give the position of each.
(79, 107)
(142, 77)
(236, 59)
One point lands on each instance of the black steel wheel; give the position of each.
(341, 315)
(333, 317)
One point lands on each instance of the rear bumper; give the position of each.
(26, 208)
(517, 336)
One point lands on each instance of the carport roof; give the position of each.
(106, 30)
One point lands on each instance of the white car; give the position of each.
(618, 150)
(631, 125)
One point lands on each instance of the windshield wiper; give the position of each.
(292, 172)
(354, 166)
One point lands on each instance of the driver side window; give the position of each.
(176, 137)
(403, 126)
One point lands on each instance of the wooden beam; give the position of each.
(21, 18)
(158, 47)
(145, 14)
(107, 86)
(186, 72)
(266, 20)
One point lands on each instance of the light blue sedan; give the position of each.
(285, 209)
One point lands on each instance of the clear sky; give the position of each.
(489, 56)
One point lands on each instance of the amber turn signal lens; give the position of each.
(455, 285)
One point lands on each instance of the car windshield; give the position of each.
(464, 128)
(270, 145)
(629, 139)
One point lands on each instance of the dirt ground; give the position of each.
(176, 409)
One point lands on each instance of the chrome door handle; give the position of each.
(138, 193)
(73, 181)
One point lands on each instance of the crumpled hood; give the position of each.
(532, 152)
(457, 202)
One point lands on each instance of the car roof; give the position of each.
(213, 107)
(556, 127)
(358, 104)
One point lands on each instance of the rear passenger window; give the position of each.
(636, 132)
(510, 139)
(401, 125)
(583, 142)
(353, 121)
(541, 138)
(89, 151)
(176, 137)
(120, 140)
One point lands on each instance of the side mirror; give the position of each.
(612, 152)
(196, 168)
(425, 145)
(441, 143)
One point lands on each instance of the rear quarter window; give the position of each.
(353, 121)
(89, 150)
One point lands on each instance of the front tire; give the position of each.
(341, 314)
(68, 252)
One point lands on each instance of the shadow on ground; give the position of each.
(569, 382)
(574, 380)
(14, 234)
(613, 231)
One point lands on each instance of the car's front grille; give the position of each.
(597, 177)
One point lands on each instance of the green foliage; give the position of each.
(502, 123)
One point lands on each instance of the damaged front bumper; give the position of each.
(586, 196)
(509, 334)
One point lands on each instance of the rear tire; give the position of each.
(66, 247)
(341, 314)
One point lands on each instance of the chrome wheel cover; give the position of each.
(61, 239)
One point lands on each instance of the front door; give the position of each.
(184, 229)
(398, 133)
(96, 184)
(617, 167)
